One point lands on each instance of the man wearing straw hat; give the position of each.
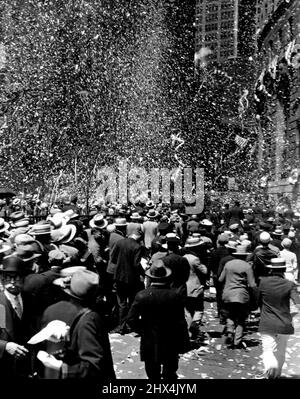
(275, 326)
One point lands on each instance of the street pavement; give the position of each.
(212, 360)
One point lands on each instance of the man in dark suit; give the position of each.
(236, 214)
(178, 264)
(163, 327)
(14, 357)
(126, 255)
(87, 352)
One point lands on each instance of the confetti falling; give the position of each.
(91, 83)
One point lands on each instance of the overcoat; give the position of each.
(12, 329)
(162, 325)
(88, 353)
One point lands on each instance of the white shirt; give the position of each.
(290, 260)
(13, 299)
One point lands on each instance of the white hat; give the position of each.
(277, 263)
(206, 222)
(264, 237)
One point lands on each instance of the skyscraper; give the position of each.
(226, 27)
(216, 28)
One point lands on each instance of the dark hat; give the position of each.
(158, 271)
(13, 264)
(83, 284)
(162, 242)
(163, 227)
(150, 204)
(152, 214)
(265, 226)
(296, 225)
(74, 198)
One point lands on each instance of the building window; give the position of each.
(226, 14)
(227, 25)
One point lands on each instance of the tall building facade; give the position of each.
(277, 94)
(216, 28)
(225, 27)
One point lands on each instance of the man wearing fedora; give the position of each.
(216, 255)
(110, 292)
(129, 274)
(238, 278)
(150, 229)
(14, 356)
(135, 225)
(87, 353)
(277, 237)
(275, 326)
(39, 290)
(158, 313)
(98, 243)
(194, 304)
(178, 264)
(236, 215)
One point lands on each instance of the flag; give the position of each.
(240, 141)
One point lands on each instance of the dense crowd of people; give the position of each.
(69, 279)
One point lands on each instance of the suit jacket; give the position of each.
(260, 257)
(275, 293)
(150, 231)
(196, 280)
(40, 292)
(113, 239)
(88, 353)
(180, 271)
(12, 329)
(216, 256)
(126, 255)
(238, 277)
(236, 215)
(162, 325)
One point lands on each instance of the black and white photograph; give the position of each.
(149, 193)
